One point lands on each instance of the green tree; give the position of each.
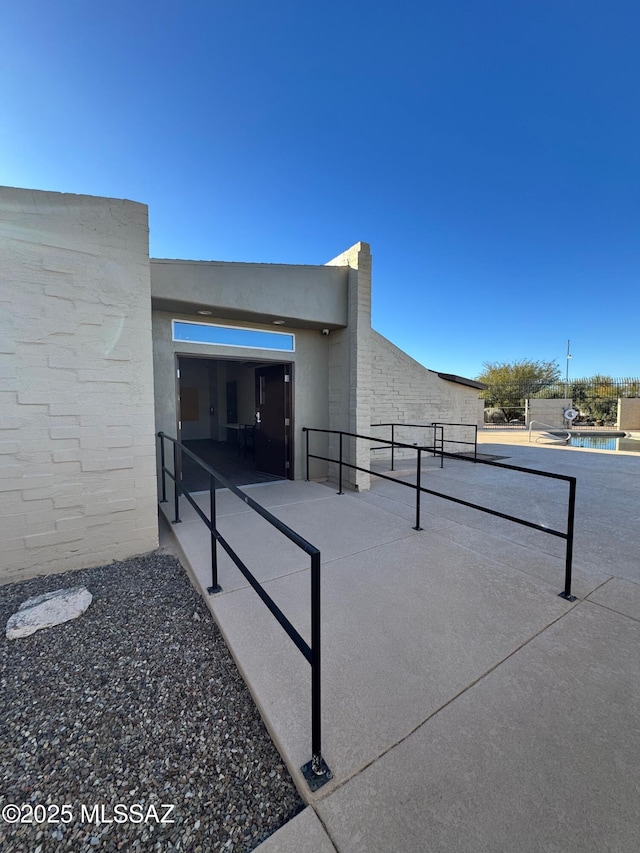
(599, 399)
(510, 383)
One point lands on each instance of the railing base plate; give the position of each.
(315, 780)
(212, 590)
(566, 597)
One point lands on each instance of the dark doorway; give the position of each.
(273, 419)
(225, 457)
(232, 402)
(217, 406)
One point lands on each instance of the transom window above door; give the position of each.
(232, 336)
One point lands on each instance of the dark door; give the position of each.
(273, 419)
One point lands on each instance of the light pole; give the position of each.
(566, 390)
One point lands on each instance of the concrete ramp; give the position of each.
(465, 705)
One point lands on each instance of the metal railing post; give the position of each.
(316, 771)
(475, 444)
(316, 683)
(340, 492)
(392, 446)
(566, 593)
(215, 586)
(162, 467)
(176, 486)
(418, 484)
(306, 431)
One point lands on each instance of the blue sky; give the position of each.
(488, 150)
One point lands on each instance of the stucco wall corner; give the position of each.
(78, 480)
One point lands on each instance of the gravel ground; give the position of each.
(135, 704)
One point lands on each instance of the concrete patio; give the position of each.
(466, 707)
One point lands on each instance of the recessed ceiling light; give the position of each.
(205, 313)
(278, 322)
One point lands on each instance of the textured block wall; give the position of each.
(629, 413)
(548, 412)
(77, 455)
(404, 391)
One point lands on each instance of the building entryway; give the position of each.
(237, 417)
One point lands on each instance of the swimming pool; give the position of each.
(605, 442)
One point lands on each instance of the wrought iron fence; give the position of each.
(592, 386)
(596, 398)
(510, 417)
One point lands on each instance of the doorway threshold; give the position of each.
(225, 457)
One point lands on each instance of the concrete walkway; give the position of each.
(466, 707)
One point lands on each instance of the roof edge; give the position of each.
(461, 380)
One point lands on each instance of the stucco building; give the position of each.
(103, 346)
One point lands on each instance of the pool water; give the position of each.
(603, 442)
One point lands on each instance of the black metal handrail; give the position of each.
(433, 448)
(566, 535)
(473, 443)
(443, 440)
(315, 771)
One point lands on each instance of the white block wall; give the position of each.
(629, 413)
(77, 455)
(404, 391)
(548, 412)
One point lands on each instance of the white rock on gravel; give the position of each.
(46, 610)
